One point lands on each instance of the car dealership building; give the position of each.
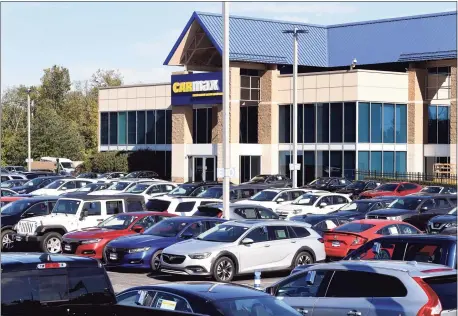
(394, 112)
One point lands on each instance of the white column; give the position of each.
(226, 152)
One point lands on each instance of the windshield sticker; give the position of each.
(393, 230)
(165, 304)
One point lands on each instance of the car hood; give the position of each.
(344, 191)
(392, 212)
(347, 214)
(52, 219)
(140, 240)
(22, 187)
(46, 192)
(292, 207)
(195, 246)
(252, 202)
(9, 219)
(105, 192)
(377, 193)
(95, 232)
(447, 218)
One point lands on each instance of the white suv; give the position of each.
(313, 203)
(273, 198)
(121, 186)
(151, 189)
(245, 246)
(182, 206)
(61, 186)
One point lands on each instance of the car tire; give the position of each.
(303, 258)
(223, 269)
(51, 243)
(104, 255)
(7, 239)
(156, 261)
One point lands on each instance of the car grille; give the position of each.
(375, 217)
(173, 259)
(120, 253)
(26, 227)
(72, 243)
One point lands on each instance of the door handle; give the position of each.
(266, 246)
(303, 311)
(293, 241)
(354, 313)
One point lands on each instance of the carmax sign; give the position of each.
(201, 88)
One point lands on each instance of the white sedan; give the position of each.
(61, 186)
(313, 203)
(151, 189)
(274, 198)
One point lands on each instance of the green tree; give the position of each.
(103, 78)
(55, 84)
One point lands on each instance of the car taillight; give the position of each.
(53, 265)
(358, 241)
(433, 307)
(321, 240)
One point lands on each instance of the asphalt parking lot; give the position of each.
(127, 279)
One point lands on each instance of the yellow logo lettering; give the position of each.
(176, 87)
(188, 87)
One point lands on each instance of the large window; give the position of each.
(250, 95)
(376, 123)
(388, 123)
(136, 127)
(438, 124)
(386, 162)
(307, 161)
(364, 121)
(248, 124)
(438, 83)
(202, 126)
(250, 166)
(401, 123)
(322, 123)
(349, 122)
(336, 122)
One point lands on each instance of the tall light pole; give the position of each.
(295, 33)
(226, 151)
(29, 163)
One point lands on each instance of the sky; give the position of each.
(135, 38)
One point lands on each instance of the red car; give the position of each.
(90, 242)
(340, 241)
(392, 189)
(8, 199)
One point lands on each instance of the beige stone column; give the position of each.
(416, 128)
(182, 125)
(453, 119)
(268, 121)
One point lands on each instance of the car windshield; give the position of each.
(356, 207)
(184, 189)
(306, 199)
(431, 189)
(138, 188)
(64, 206)
(321, 181)
(259, 178)
(214, 192)
(7, 184)
(166, 228)
(223, 233)
(66, 164)
(21, 169)
(390, 187)
(453, 212)
(255, 305)
(134, 174)
(353, 227)
(55, 185)
(264, 196)
(33, 182)
(406, 203)
(15, 207)
(119, 186)
(118, 222)
(357, 185)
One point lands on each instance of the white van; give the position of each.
(65, 164)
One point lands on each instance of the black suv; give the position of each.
(357, 187)
(33, 283)
(416, 210)
(443, 224)
(193, 188)
(273, 180)
(142, 174)
(36, 183)
(13, 212)
(330, 184)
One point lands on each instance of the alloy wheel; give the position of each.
(7, 241)
(224, 270)
(157, 262)
(303, 259)
(53, 245)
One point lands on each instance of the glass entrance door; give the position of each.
(203, 169)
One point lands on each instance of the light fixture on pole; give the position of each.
(294, 166)
(226, 149)
(29, 162)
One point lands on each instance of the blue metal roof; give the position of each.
(423, 37)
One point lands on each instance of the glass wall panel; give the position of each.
(401, 123)
(322, 163)
(308, 167)
(363, 161)
(168, 126)
(401, 161)
(284, 161)
(376, 123)
(104, 128)
(322, 111)
(300, 123)
(335, 169)
(141, 130)
(160, 127)
(151, 127)
(388, 161)
(349, 164)
(243, 124)
(255, 167)
(122, 128)
(388, 123)
(350, 122)
(252, 125)
(309, 123)
(432, 124)
(364, 122)
(113, 128)
(284, 124)
(244, 168)
(132, 127)
(376, 161)
(443, 125)
(201, 126)
(336, 122)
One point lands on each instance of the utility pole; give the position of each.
(295, 166)
(226, 149)
(29, 162)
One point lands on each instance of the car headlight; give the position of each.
(90, 241)
(450, 225)
(204, 255)
(134, 250)
(395, 218)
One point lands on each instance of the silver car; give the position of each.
(245, 246)
(363, 288)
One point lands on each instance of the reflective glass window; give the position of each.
(363, 122)
(401, 123)
(388, 162)
(376, 161)
(309, 123)
(363, 160)
(350, 122)
(141, 122)
(122, 128)
(432, 124)
(376, 123)
(284, 124)
(113, 128)
(388, 123)
(168, 126)
(349, 164)
(401, 161)
(336, 122)
(202, 126)
(443, 125)
(151, 127)
(160, 127)
(104, 128)
(132, 127)
(322, 122)
(336, 164)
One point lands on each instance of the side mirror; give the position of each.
(310, 278)
(279, 200)
(187, 235)
(376, 248)
(323, 204)
(424, 209)
(247, 241)
(63, 188)
(270, 290)
(84, 213)
(137, 228)
(29, 214)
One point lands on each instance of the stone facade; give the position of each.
(416, 106)
(268, 109)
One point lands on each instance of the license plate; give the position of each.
(113, 256)
(336, 244)
(67, 247)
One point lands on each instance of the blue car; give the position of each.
(144, 250)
